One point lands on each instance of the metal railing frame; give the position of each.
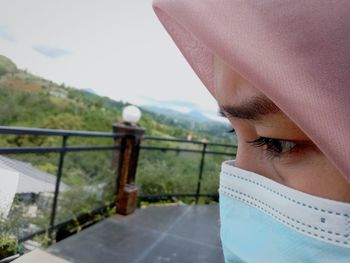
(64, 148)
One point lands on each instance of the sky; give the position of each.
(116, 47)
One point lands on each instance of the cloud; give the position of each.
(5, 34)
(52, 52)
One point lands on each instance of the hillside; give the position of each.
(30, 101)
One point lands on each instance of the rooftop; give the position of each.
(31, 180)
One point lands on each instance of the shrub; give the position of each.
(8, 245)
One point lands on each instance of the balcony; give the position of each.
(188, 233)
(109, 215)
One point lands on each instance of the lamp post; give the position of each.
(125, 160)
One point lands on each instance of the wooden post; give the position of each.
(126, 159)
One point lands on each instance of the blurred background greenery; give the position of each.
(30, 101)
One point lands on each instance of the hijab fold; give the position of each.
(295, 52)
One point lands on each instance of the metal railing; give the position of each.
(65, 135)
(203, 153)
(65, 148)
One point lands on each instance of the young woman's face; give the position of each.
(270, 144)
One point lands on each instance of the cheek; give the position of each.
(315, 175)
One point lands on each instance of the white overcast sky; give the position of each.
(116, 47)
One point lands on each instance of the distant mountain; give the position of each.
(196, 115)
(30, 101)
(92, 91)
(193, 121)
(191, 110)
(192, 115)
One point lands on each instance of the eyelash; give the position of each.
(274, 148)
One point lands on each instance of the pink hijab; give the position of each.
(296, 52)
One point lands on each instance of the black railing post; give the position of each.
(201, 171)
(57, 186)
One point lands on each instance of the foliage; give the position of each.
(27, 100)
(170, 173)
(8, 245)
(30, 101)
(44, 240)
(8, 241)
(65, 121)
(6, 66)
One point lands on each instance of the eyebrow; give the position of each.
(253, 109)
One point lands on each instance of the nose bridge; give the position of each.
(247, 158)
(252, 159)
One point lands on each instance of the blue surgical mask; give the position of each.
(265, 222)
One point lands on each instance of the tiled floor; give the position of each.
(153, 234)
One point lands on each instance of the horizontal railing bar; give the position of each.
(64, 223)
(19, 150)
(11, 130)
(176, 195)
(151, 138)
(220, 153)
(54, 132)
(144, 147)
(181, 150)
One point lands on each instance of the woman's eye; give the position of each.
(273, 147)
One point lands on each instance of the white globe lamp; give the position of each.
(131, 114)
